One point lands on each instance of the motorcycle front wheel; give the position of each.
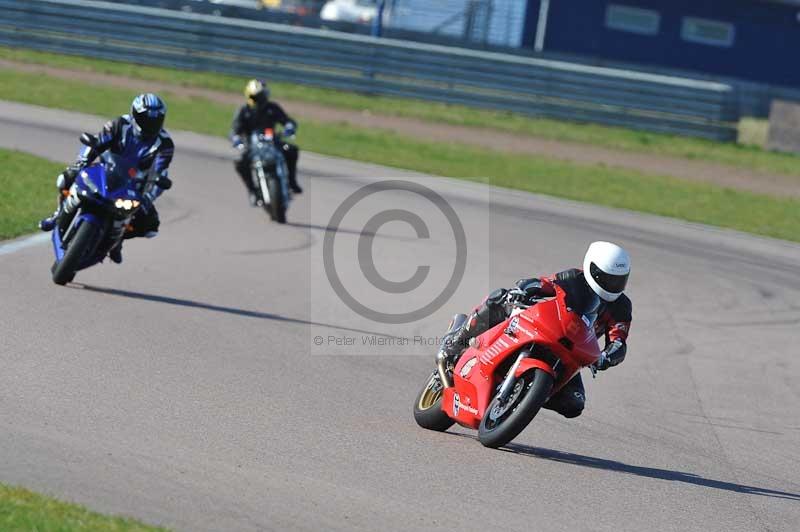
(263, 188)
(428, 406)
(81, 245)
(503, 422)
(278, 204)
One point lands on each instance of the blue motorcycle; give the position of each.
(97, 213)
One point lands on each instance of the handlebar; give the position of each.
(517, 297)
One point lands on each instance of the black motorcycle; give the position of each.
(270, 174)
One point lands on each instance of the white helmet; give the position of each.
(606, 268)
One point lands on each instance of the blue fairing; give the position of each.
(98, 187)
(83, 217)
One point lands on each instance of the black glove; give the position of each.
(531, 287)
(613, 355)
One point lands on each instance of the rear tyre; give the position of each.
(503, 423)
(428, 411)
(81, 245)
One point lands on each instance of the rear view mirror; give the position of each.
(87, 139)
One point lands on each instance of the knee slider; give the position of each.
(574, 404)
(569, 414)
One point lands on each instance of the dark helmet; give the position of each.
(148, 112)
(257, 93)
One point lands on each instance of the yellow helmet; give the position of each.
(256, 92)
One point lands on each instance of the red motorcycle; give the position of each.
(507, 373)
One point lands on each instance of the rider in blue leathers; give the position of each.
(138, 135)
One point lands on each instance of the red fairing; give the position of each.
(548, 327)
(614, 322)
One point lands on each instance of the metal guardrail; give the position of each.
(553, 89)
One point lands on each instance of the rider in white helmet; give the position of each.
(600, 286)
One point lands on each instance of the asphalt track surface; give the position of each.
(184, 387)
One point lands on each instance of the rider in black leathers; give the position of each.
(257, 115)
(598, 288)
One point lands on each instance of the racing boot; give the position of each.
(457, 343)
(489, 314)
(49, 223)
(293, 179)
(63, 183)
(115, 253)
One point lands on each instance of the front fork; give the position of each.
(508, 383)
(441, 365)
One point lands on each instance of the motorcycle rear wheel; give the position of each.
(428, 406)
(81, 245)
(503, 423)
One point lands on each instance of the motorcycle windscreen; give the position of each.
(580, 338)
(119, 172)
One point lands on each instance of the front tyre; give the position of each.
(428, 411)
(83, 244)
(277, 205)
(503, 422)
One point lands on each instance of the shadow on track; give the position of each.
(329, 229)
(648, 472)
(217, 308)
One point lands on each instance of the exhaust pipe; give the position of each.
(441, 364)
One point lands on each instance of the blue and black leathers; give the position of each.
(153, 155)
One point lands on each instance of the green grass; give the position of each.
(748, 155)
(23, 511)
(614, 187)
(29, 192)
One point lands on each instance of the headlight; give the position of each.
(125, 204)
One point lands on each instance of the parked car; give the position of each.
(358, 11)
(250, 4)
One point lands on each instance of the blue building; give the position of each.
(494, 22)
(756, 40)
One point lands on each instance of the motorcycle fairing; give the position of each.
(559, 341)
(94, 185)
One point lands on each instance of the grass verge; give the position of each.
(22, 511)
(29, 192)
(746, 155)
(697, 202)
